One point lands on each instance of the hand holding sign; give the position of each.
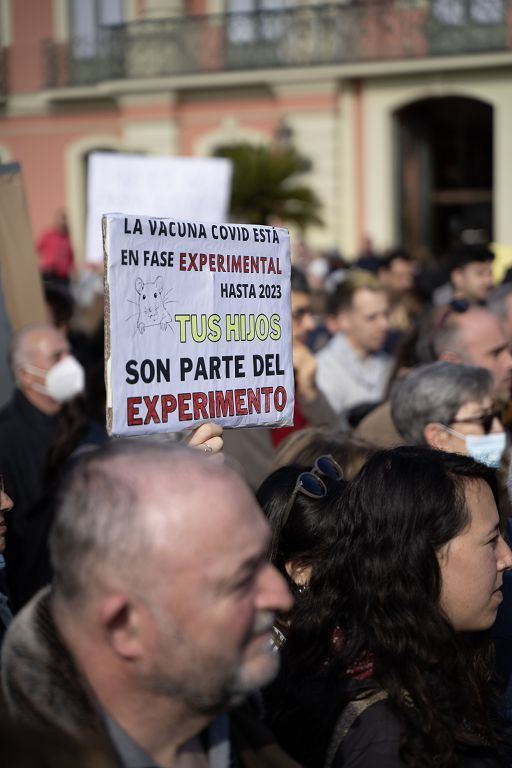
(207, 437)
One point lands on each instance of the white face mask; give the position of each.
(63, 381)
(487, 449)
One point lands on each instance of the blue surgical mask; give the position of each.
(487, 449)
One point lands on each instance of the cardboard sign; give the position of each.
(198, 324)
(21, 280)
(187, 187)
(21, 293)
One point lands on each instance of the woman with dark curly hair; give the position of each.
(394, 668)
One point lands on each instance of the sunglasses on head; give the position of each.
(309, 483)
(486, 420)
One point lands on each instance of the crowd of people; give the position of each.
(332, 594)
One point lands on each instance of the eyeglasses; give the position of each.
(310, 484)
(301, 312)
(486, 420)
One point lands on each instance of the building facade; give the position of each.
(403, 107)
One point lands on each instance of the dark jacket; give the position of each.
(374, 741)
(43, 689)
(306, 719)
(26, 435)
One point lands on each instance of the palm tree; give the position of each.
(265, 189)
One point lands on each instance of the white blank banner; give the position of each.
(186, 188)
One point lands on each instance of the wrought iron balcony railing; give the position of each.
(354, 31)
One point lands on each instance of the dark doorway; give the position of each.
(445, 161)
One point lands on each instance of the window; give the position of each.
(88, 17)
(487, 11)
(456, 13)
(250, 23)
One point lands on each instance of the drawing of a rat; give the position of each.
(151, 305)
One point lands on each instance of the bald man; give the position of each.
(477, 337)
(160, 613)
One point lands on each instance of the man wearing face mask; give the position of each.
(47, 376)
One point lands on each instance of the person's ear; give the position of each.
(298, 573)
(120, 621)
(435, 436)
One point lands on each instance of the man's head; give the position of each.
(500, 304)
(37, 351)
(160, 573)
(302, 319)
(396, 272)
(471, 273)
(360, 309)
(476, 337)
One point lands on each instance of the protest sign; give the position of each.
(188, 187)
(21, 293)
(21, 280)
(198, 324)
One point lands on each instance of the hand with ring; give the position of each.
(207, 437)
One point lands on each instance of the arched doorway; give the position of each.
(445, 161)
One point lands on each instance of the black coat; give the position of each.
(304, 716)
(26, 435)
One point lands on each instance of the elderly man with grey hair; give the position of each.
(160, 615)
(449, 406)
(47, 376)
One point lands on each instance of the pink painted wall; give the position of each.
(259, 114)
(196, 7)
(39, 144)
(32, 22)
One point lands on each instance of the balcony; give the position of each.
(358, 31)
